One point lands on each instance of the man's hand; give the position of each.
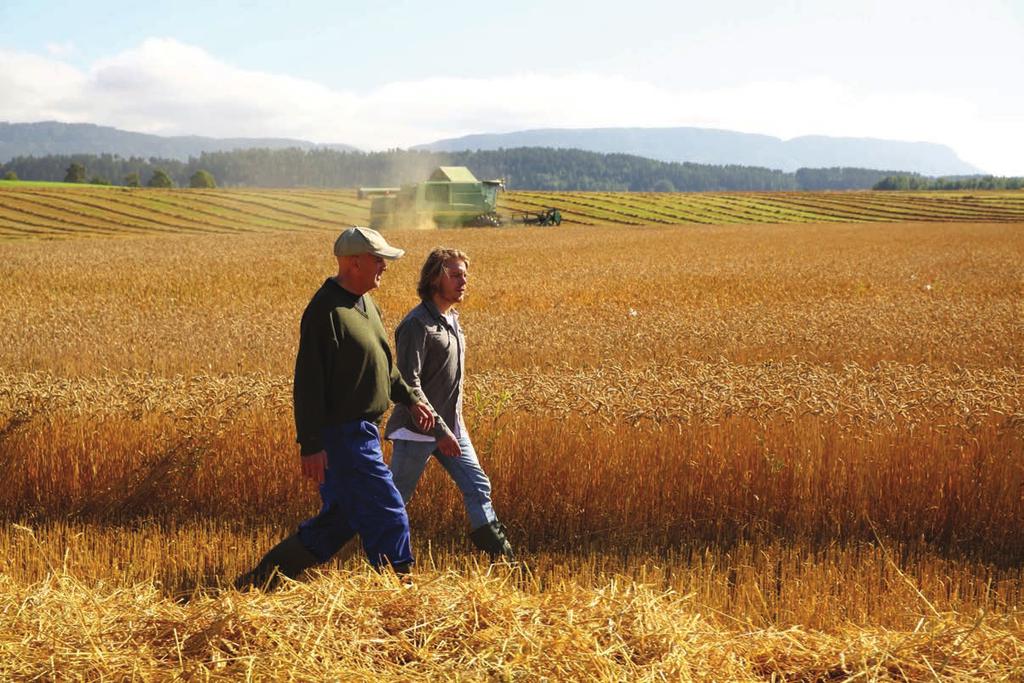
(423, 416)
(313, 466)
(449, 446)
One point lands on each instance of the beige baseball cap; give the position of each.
(358, 240)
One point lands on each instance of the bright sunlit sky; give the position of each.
(393, 74)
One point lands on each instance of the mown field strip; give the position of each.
(23, 227)
(957, 208)
(699, 212)
(330, 199)
(268, 212)
(243, 214)
(950, 207)
(638, 207)
(225, 215)
(112, 211)
(849, 211)
(821, 206)
(710, 210)
(26, 217)
(286, 209)
(724, 209)
(189, 212)
(881, 211)
(55, 211)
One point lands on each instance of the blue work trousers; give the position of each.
(409, 458)
(359, 497)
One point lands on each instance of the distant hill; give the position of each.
(681, 145)
(53, 138)
(723, 147)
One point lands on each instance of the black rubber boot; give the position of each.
(288, 558)
(403, 572)
(491, 539)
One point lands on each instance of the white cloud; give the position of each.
(166, 87)
(64, 49)
(34, 88)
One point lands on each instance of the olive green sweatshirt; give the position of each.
(344, 369)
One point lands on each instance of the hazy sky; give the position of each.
(393, 74)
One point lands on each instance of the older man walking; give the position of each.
(431, 356)
(344, 382)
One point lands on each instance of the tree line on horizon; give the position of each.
(914, 181)
(524, 168)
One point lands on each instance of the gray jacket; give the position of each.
(431, 355)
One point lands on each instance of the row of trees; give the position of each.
(524, 168)
(77, 173)
(913, 181)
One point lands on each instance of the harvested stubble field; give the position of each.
(727, 452)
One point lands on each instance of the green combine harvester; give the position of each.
(452, 197)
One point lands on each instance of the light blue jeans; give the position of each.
(409, 458)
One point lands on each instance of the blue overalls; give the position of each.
(359, 497)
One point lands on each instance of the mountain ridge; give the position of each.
(724, 147)
(44, 138)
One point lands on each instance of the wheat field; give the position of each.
(729, 452)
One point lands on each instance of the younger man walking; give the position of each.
(431, 357)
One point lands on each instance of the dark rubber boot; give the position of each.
(491, 539)
(288, 558)
(403, 571)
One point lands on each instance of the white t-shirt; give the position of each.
(405, 434)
